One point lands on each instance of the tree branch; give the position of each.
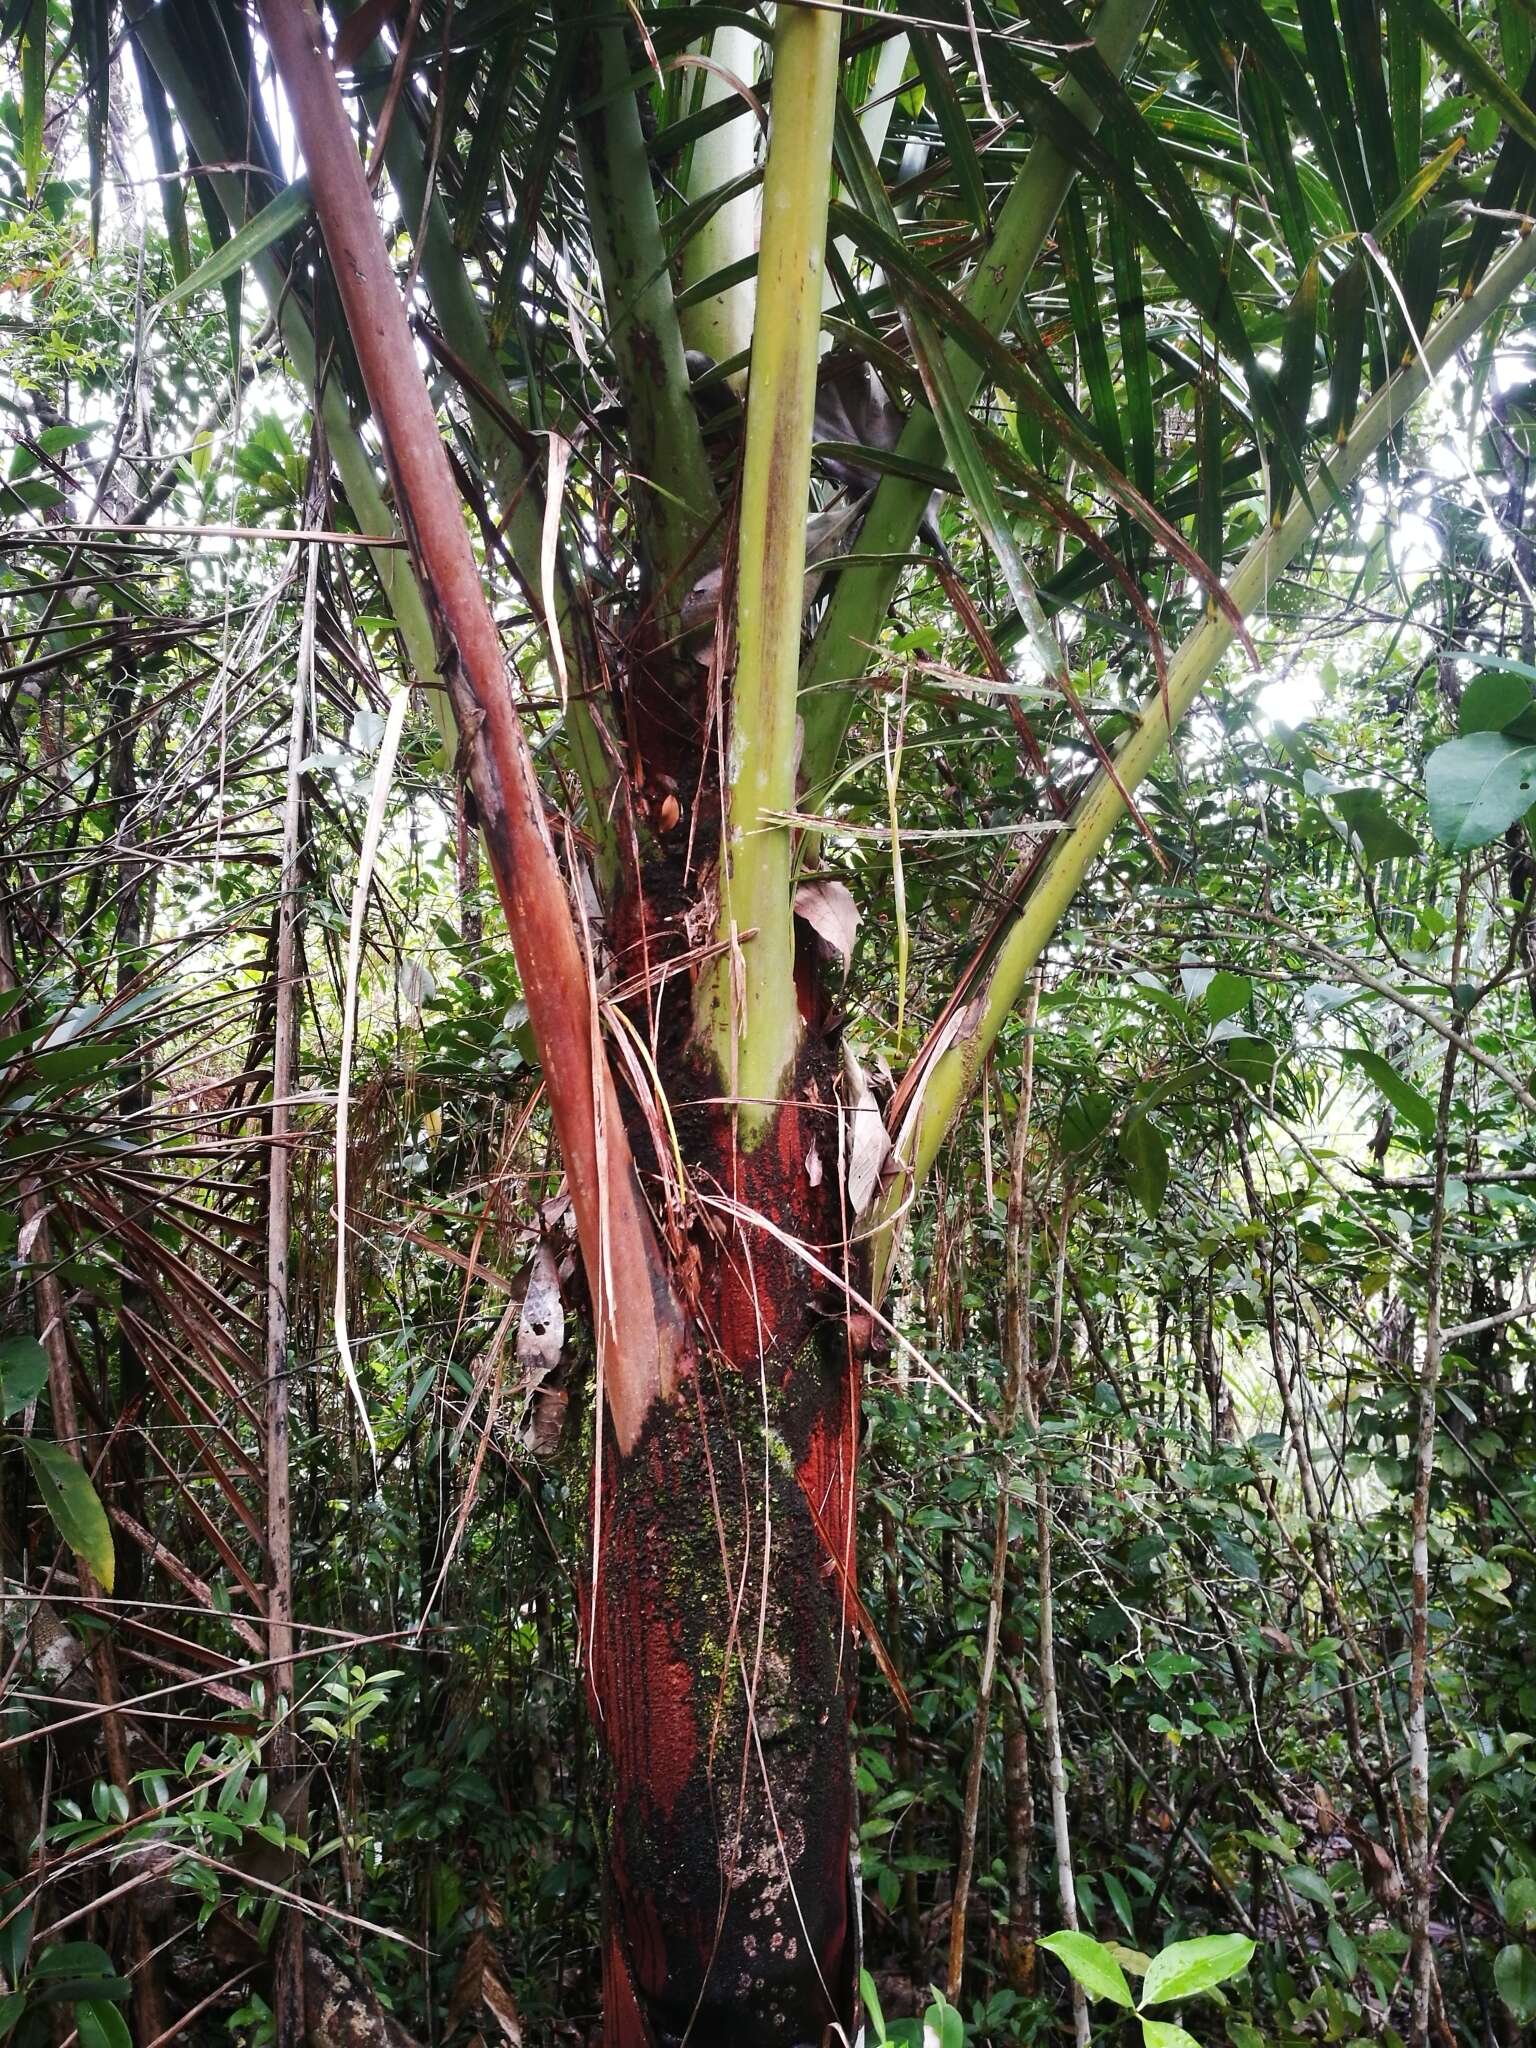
(945, 1071)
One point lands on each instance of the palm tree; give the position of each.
(1097, 321)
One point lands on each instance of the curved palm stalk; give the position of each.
(747, 1004)
(464, 325)
(946, 1071)
(840, 652)
(638, 1331)
(491, 405)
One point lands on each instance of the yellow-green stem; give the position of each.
(748, 1010)
(943, 1092)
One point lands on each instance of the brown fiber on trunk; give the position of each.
(721, 1645)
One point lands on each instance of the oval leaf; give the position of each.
(1145, 1153)
(1514, 1973)
(1225, 994)
(23, 1374)
(75, 1507)
(1164, 2034)
(1379, 834)
(1403, 1096)
(101, 2025)
(1185, 1968)
(1307, 1884)
(1477, 787)
(1494, 701)
(1092, 1965)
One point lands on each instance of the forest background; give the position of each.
(1146, 1209)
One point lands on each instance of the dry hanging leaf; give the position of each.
(29, 1232)
(869, 1142)
(479, 1986)
(827, 906)
(541, 1327)
(414, 980)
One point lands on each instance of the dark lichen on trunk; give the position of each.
(720, 1638)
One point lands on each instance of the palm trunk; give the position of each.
(718, 1617)
(721, 1646)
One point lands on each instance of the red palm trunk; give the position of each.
(721, 1651)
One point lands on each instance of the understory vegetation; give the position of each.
(1166, 1263)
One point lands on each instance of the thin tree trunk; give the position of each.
(288, 1941)
(135, 897)
(1016, 1312)
(1420, 1849)
(1050, 1702)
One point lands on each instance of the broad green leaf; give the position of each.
(279, 217)
(75, 1507)
(1477, 787)
(1085, 1119)
(69, 1062)
(34, 87)
(1251, 1059)
(1120, 1900)
(871, 1998)
(1307, 1884)
(1225, 994)
(101, 2025)
(1145, 1152)
(1092, 1965)
(1345, 1953)
(1514, 1975)
(1164, 2034)
(1494, 701)
(1381, 837)
(1185, 1968)
(1407, 1100)
(73, 1959)
(1520, 1905)
(23, 1374)
(942, 2025)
